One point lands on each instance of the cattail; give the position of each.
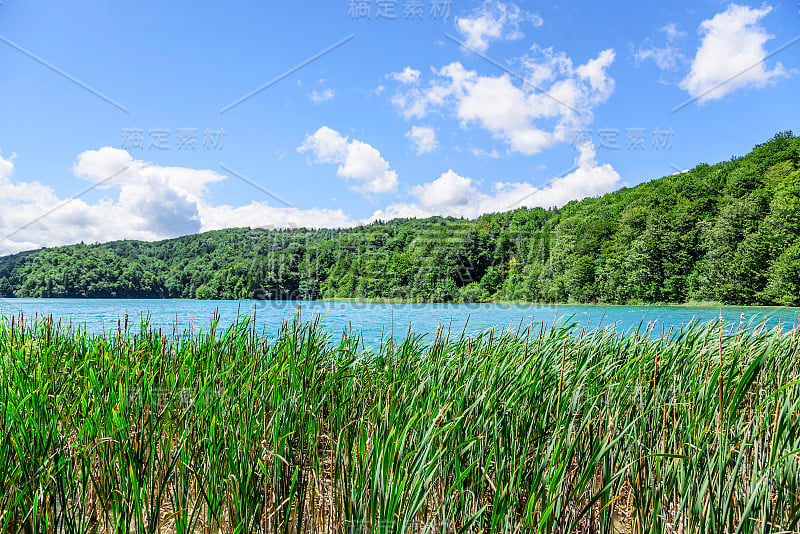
(561, 379)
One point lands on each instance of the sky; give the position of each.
(149, 120)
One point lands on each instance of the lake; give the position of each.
(376, 319)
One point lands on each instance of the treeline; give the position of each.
(724, 233)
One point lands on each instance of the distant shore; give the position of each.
(366, 300)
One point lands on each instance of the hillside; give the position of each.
(726, 232)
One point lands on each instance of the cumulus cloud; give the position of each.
(424, 139)
(261, 214)
(6, 167)
(458, 196)
(446, 192)
(114, 166)
(360, 164)
(589, 179)
(407, 76)
(326, 145)
(365, 165)
(526, 119)
(731, 55)
(149, 202)
(144, 201)
(494, 21)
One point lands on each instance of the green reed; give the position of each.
(538, 430)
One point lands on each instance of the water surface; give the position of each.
(377, 319)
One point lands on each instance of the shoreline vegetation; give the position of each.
(692, 304)
(545, 429)
(727, 233)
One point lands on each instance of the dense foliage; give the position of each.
(725, 233)
(543, 430)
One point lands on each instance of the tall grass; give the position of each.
(539, 430)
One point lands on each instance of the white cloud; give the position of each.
(359, 162)
(100, 165)
(318, 97)
(327, 145)
(731, 55)
(667, 57)
(594, 71)
(407, 76)
(6, 166)
(672, 31)
(144, 201)
(424, 139)
(493, 154)
(150, 202)
(261, 214)
(448, 191)
(458, 196)
(528, 120)
(589, 179)
(365, 164)
(493, 21)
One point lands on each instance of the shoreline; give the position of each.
(346, 300)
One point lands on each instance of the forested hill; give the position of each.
(726, 233)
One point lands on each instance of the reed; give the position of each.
(537, 430)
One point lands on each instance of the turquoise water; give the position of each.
(376, 319)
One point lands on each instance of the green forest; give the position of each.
(724, 233)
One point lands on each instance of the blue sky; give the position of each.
(450, 107)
